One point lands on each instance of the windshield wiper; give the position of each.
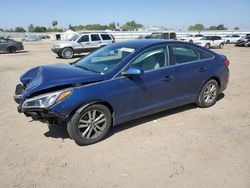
(85, 68)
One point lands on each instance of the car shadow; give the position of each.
(60, 131)
(75, 56)
(18, 52)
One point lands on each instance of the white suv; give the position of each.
(82, 43)
(211, 41)
(191, 38)
(231, 38)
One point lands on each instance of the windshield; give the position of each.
(75, 37)
(105, 59)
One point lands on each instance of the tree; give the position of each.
(112, 26)
(20, 29)
(131, 26)
(212, 28)
(39, 29)
(196, 27)
(1, 29)
(236, 28)
(54, 23)
(221, 27)
(31, 28)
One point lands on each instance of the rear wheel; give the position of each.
(228, 41)
(208, 94)
(191, 41)
(207, 45)
(67, 53)
(12, 49)
(91, 125)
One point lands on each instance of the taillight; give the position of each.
(226, 62)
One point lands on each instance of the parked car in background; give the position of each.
(162, 35)
(245, 41)
(211, 41)
(192, 38)
(82, 43)
(121, 82)
(231, 38)
(10, 45)
(29, 38)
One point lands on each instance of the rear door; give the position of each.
(191, 67)
(96, 41)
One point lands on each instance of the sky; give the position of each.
(175, 14)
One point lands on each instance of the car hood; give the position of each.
(50, 76)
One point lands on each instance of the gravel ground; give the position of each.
(183, 147)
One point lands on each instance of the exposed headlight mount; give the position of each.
(46, 100)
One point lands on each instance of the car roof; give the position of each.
(144, 43)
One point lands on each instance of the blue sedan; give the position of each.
(121, 82)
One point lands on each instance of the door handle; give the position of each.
(167, 78)
(87, 43)
(203, 69)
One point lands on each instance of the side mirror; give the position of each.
(131, 72)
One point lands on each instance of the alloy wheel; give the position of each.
(210, 93)
(92, 124)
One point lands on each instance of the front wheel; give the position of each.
(67, 53)
(12, 49)
(208, 94)
(221, 45)
(91, 125)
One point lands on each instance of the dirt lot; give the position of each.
(183, 147)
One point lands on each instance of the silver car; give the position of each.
(82, 43)
(10, 45)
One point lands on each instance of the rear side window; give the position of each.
(204, 55)
(95, 37)
(186, 54)
(105, 37)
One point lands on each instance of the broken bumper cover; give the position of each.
(41, 114)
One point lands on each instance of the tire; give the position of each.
(12, 49)
(207, 46)
(191, 41)
(67, 53)
(91, 125)
(208, 94)
(221, 45)
(228, 41)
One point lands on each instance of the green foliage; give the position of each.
(112, 26)
(20, 29)
(39, 29)
(131, 26)
(196, 27)
(236, 28)
(218, 27)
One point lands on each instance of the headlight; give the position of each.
(46, 100)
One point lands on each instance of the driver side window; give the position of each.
(84, 38)
(151, 60)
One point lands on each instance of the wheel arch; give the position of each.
(83, 106)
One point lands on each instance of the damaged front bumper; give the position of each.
(40, 114)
